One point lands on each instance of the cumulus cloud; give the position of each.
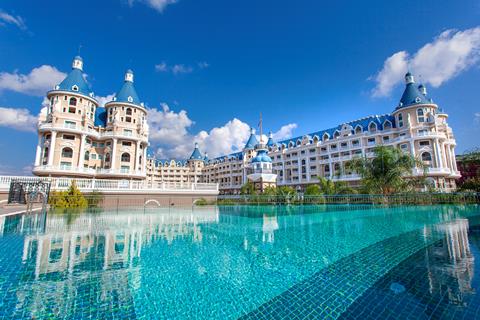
(158, 5)
(36, 83)
(179, 68)
(18, 119)
(285, 132)
(171, 138)
(449, 54)
(18, 21)
(102, 100)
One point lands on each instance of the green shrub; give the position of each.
(69, 199)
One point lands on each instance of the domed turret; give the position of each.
(196, 154)
(270, 141)
(127, 93)
(252, 140)
(412, 94)
(75, 81)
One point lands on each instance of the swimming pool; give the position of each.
(272, 262)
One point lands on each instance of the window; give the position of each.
(127, 132)
(424, 143)
(386, 138)
(67, 153)
(65, 165)
(70, 124)
(358, 130)
(87, 156)
(336, 134)
(426, 156)
(68, 137)
(129, 112)
(400, 120)
(420, 115)
(124, 169)
(126, 143)
(125, 157)
(93, 156)
(371, 141)
(404, 146)
(72, 102)
(107, 157)
(75, 88)
(387, 125)
(372, 127)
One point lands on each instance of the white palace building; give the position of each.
(78, 138)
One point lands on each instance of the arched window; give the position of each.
(67, 152)
(87, 156)
(129, 111)
(315, 139)
(387, 125)
(372, 127)
(336, 134)
(73, 101)
(45, 156)
(325, 137)
(426, 156)
(299, 142)
(358, 129)
(125, 157)
(400, 120)
(420, 115)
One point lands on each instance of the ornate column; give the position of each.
(38, 154)
(114, 154)
(144, 162)
(454, 160)
(51, 152)
(81, 160)
(438, 156)
(137, 157)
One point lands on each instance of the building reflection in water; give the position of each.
(269, 226)
(60, 257)
(450, 263)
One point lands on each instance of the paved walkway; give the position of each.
(8, 210)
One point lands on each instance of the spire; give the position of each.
(196, 154)
(412, 94)
(422, 89)
(252, 140)
(270, 141)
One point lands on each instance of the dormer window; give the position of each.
(75, 88)
(130, 99)
(417, 100)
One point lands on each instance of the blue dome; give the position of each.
(270, 141)
(127, 94)
(75, 82)
(412, 94)
(261, 156)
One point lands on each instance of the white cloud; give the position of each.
(102, 100)
(449, 54)
(158, 5)
(285, 132)
(36, 83)
(18, 119)
(477, 116)
(6, 18)
(169, 134)
(177, 69)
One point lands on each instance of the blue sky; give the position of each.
(207, 68)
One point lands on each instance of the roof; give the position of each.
(196, 154)
(411, 96)
(127, 94)
(270, 141)
(363, 123)
(75, 80)
(252, 141)
(100, 117)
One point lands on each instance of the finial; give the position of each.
(196, 145)
(77, 63)
(129, 75)
(409, 78)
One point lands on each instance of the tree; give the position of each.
(313, 190)
(330, 187)
(247, 189)
(386, 172)
(70, 199)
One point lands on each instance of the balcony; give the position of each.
(90, 172)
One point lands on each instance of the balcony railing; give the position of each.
(89, 171)
(92, 132)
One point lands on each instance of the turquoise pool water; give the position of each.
(250, 262)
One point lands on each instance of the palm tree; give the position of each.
(386, 173)
(330, 187)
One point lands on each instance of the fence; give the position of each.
(368, 199)
(110, 185)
